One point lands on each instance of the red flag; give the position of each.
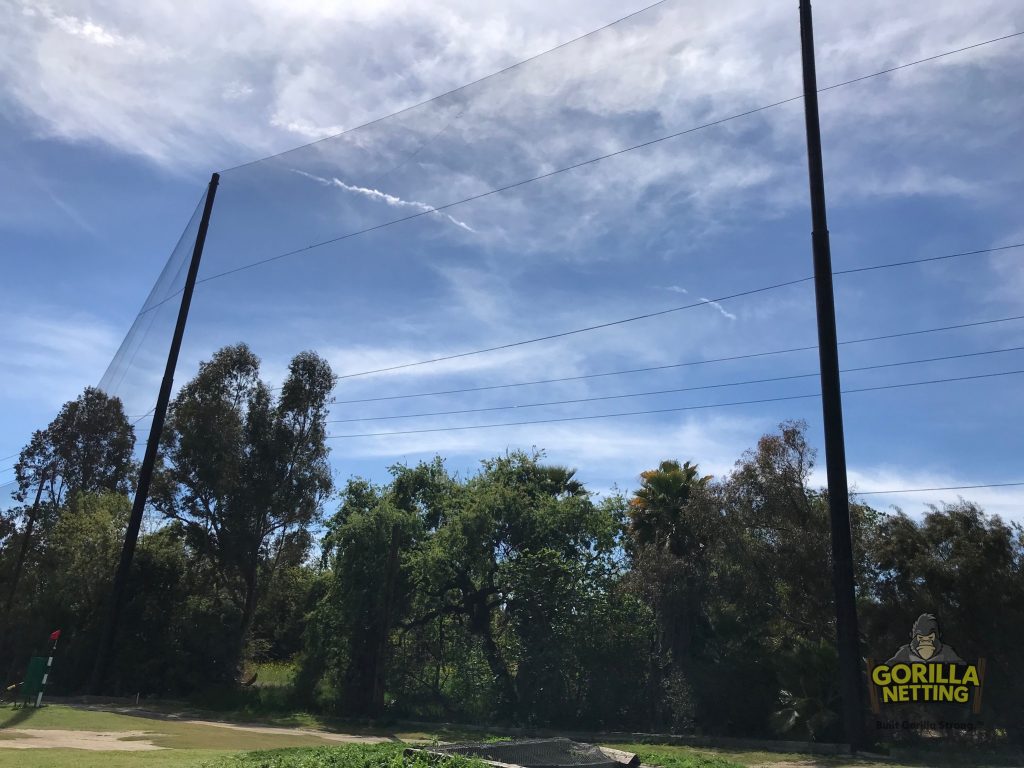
(55, 635)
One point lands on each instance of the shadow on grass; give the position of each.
(17, 716)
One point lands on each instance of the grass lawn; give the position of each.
(937, 757)
(197, 745)
(77, 758)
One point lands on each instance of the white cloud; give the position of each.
(51, 355)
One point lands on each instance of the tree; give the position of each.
(507, 552)
(369, 590)
(86, 449)
(674, 530)
(245, 473)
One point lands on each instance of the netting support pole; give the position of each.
(832, 408)
(106, 646)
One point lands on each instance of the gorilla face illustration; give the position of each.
(924, 637)
(924, 645)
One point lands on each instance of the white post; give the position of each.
(49, 664)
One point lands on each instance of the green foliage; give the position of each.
(244, 475)
(512, 595)
(349, 756)
(809, 696)
(668, 758)
(87, 448)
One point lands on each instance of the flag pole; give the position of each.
(55, 636)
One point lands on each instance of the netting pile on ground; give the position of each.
(537, 753)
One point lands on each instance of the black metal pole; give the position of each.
(832, 407)
(146, 471)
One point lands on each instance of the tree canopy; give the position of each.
(513, 594)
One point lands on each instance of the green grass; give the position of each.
(692, 757)
(940, 756)
(78, 758)
(274, 674)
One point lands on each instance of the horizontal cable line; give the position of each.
(942, 488)
(563, 334)
(675, 390)
(927, 259)
(453, 91)
(575, 166)
(671, 365)
(674, 365)
(701, 303)
(921, 61)
(672, 410)
(659, 367)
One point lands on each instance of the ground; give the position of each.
(87, 738)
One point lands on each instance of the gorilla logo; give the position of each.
(925, 647)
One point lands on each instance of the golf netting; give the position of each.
(546, 199)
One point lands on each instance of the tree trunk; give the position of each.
(381, 649)
(248, 613)
(480, 624)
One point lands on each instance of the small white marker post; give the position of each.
(55, 636)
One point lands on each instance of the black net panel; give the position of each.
(535, 753)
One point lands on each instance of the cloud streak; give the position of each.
(384, 197)
(725, 313)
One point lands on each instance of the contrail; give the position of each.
(384, 197)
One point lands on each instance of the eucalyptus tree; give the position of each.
(243, 471)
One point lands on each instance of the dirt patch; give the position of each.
(37, 738)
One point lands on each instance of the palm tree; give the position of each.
(657, 509)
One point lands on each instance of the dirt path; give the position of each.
(37, 738)
(155, 736)
(275, 730)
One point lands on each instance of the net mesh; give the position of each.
(657, 163)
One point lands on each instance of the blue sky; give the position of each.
(114, 116)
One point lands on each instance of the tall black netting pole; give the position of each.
(832, 407)
(106, 646)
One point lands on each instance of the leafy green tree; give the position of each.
(245, 473)
(86, 449)
(70, 582)
(675, 531)
(371, 590)
(501, 563)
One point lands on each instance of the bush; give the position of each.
(350, 756)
